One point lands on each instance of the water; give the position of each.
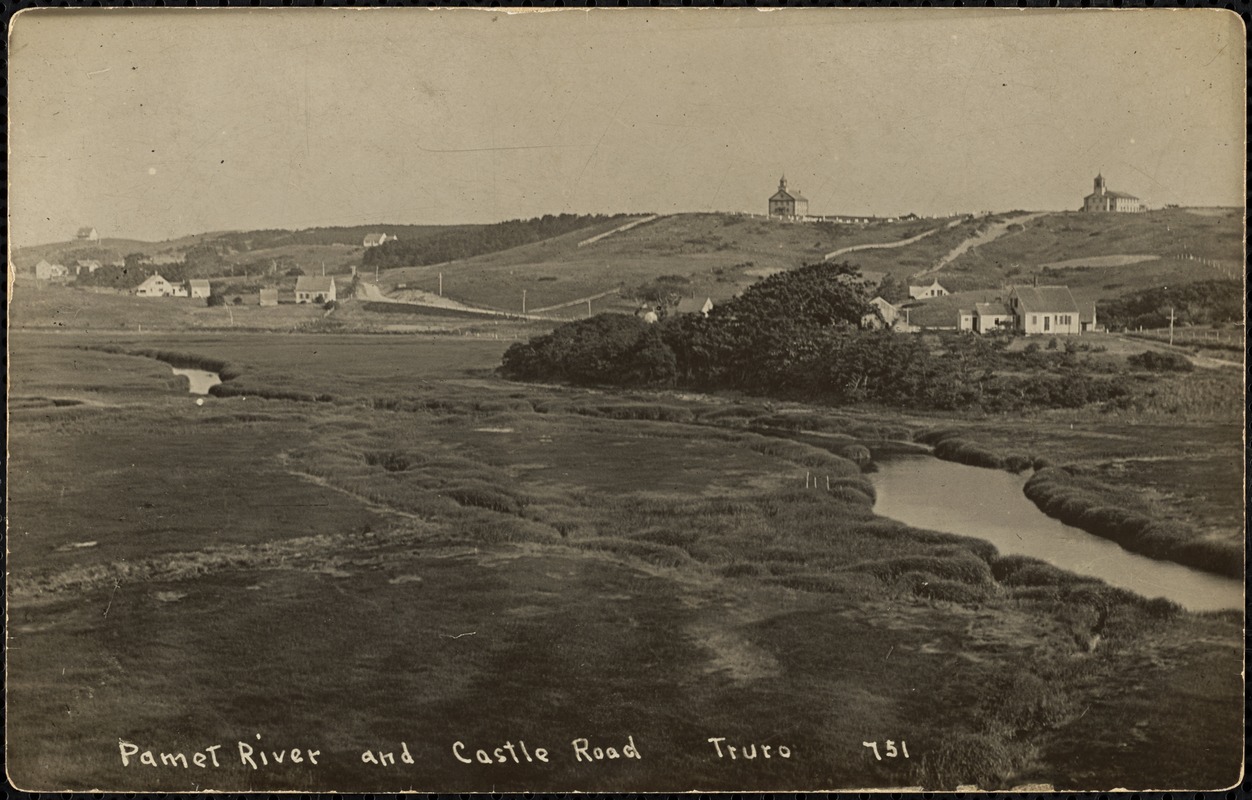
(201, 380)
(927, 492)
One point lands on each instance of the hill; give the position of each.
(1099, 256)
(607, 259)
(714, 255)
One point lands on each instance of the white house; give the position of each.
(88, 265)
(1046, 310)
(884, 316)
(178, 290)
(200, 288)
(315, 289)
(987, 318)
(46, 271)
(376, 239)
(155, 286)
(933, 290)
(87, 234)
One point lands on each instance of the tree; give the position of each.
(892, 289)
(214, 299)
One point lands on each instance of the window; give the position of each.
(1047, 322)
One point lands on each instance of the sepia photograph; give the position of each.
(625, 400)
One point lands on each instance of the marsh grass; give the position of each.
(1083, 502)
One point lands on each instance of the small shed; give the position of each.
(200, 288)
(268, 297)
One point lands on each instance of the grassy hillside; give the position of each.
(718, 253)
(1082, 250)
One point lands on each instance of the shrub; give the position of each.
(481, 496)
(1154, 361)
(391, 461)
(951, 591)
(967, 569)
(987, 762)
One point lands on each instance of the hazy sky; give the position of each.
(157, 123)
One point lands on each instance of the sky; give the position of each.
(156, 123)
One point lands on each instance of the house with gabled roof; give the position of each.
(694, 305)
(87, 234)
(46, 271)
(935, 289)
(155, 286)
(1046, 310)
(787, 204)
(315, 289)
(376, 239)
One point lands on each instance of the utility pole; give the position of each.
(589, 307)
(323, 269)
(1171, 325)
(441, 284)
(523, 301)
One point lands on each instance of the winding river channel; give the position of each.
(926, 492)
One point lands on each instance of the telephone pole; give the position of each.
(1171, 325)
(523, 301)
(441, 284)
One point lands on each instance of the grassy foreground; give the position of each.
(410, 550)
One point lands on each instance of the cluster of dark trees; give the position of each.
(799, 334)
(1209, 302)
(455, 243)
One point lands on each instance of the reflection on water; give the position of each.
(927, 492)
(201, 380)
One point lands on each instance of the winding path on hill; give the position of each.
(992, 233)
(888, 245)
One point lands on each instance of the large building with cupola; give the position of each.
(1105, 199)
(787, 204)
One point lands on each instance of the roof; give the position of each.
(86, 230)
(153, 278)
(993, 309)
(1046, 299)
(1111, 193)
(783, 194)
(314, 283)
(87, 262)
(197, 283)
(690, 305)
(1086, 312)
(375, 238)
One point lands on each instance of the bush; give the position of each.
(1154, 361)
(987, 762)
(214, 300)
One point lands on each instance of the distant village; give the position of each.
(1029, 310)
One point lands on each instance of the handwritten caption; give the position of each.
(258, 756)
